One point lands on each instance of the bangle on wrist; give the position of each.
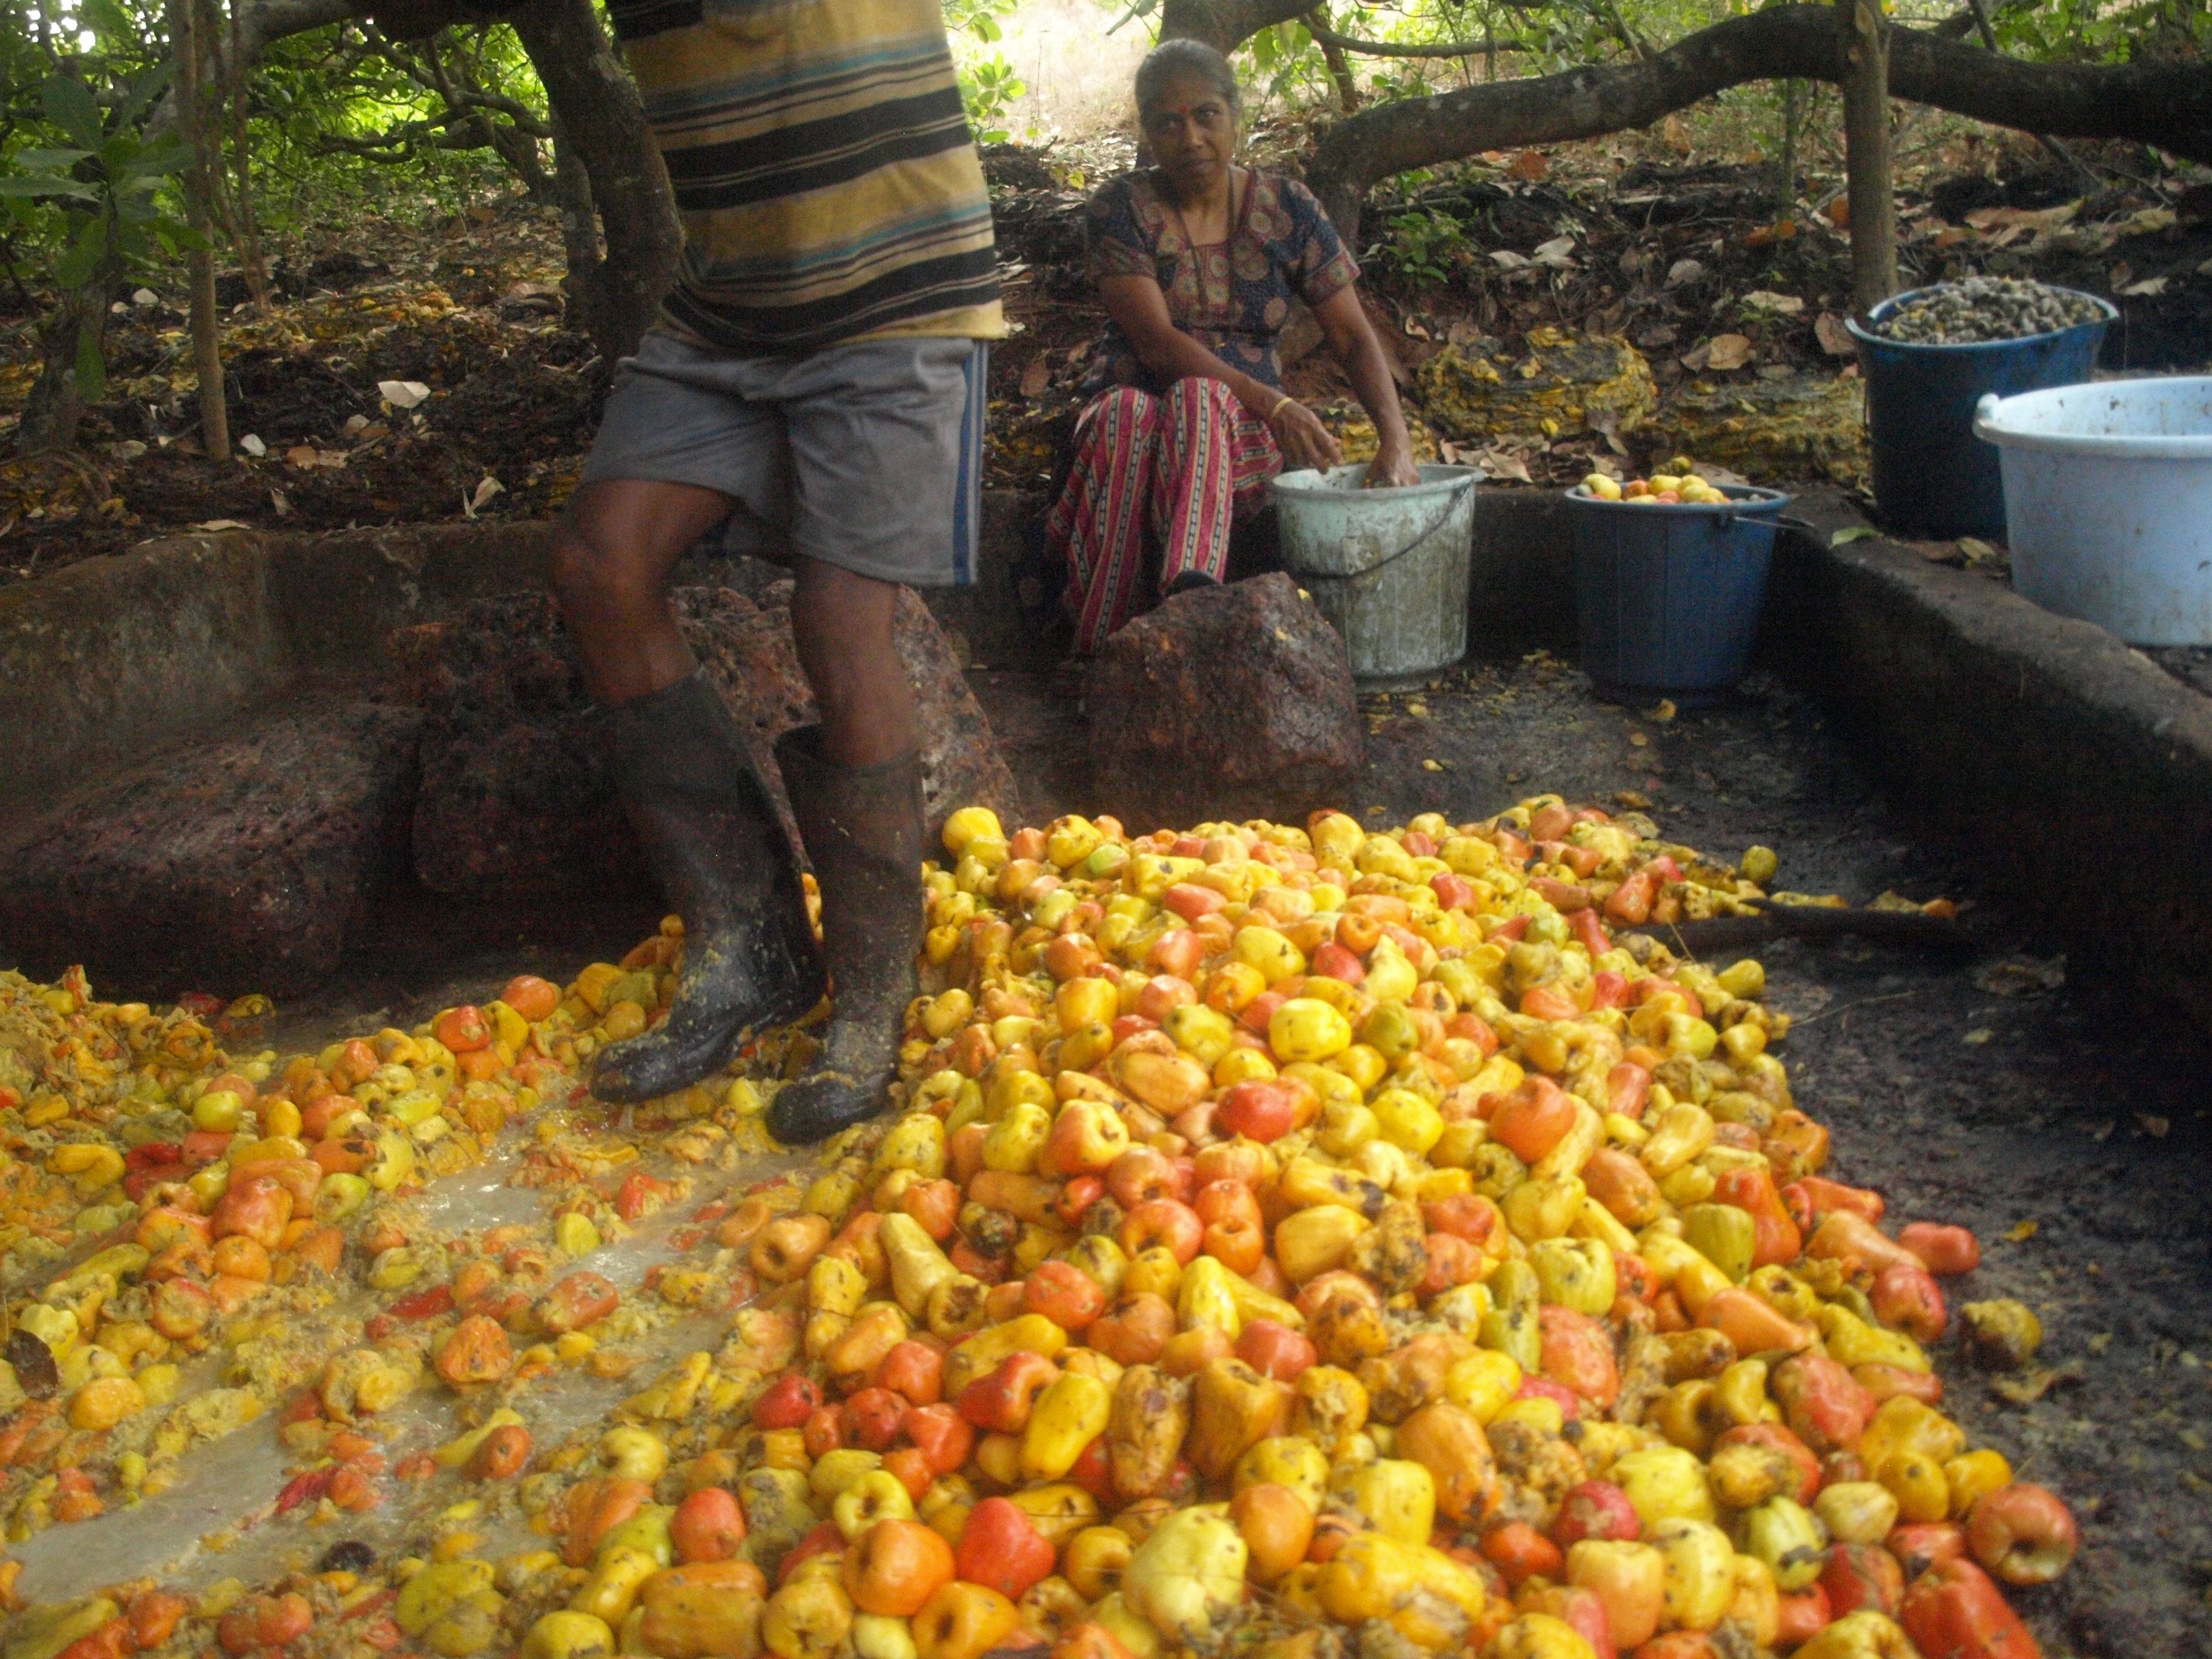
(1281, 404)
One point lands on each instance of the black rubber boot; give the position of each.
(862, 827)
(726, 866)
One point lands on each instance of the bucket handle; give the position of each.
(1306, 577)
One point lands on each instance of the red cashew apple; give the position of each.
(2024, 1533)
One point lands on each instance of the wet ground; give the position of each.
(2066, 1127)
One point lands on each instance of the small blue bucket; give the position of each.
(1667, 597)
(1932, 476)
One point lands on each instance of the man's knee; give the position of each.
(586, 575)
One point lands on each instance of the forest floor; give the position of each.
(411, 373)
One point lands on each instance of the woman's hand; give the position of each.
(1392, 466)
(1302, 439)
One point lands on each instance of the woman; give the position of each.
(1197, 261)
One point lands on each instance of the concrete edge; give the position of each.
(2040, 746)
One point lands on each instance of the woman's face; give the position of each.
(1191, 130)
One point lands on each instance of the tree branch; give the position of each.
(2167, 105)
(1392, 49)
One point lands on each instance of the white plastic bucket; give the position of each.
(2108, 498)
(1388, 568)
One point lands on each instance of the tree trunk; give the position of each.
(1785, 190)
(1864, 73)
(1339, 66)
(242, 223)
(579, 221)
(2168, 104)
(597, 105)
(1225, 25)
(188, 50)
(56, 404)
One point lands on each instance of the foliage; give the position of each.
(94, 200)
(989, 85)
(1425, 247)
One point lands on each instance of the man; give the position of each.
(817, 378)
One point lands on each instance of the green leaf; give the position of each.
(48, 160)
(1857, 532)
(178, 236)
(78, 265)
(91, 368)
(164, 155)
(146, 85)
(69, 106)
(49, 187)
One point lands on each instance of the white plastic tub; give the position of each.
(2108, 498)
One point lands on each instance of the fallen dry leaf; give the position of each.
(222, 524)
(1529, 164)
(301, 455)
(1834, 338)
(1036, 377)
(402, 394)
(1500, 465)
(487, 487)
(1683, 272)
(1726, 351)
(2148, 287)
(2021, 1232)
(2009, 218)
(251, 444)
(1782, 305)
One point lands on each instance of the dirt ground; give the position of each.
(2061, 1124)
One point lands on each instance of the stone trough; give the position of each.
(220, 756)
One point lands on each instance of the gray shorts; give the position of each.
(866, 456)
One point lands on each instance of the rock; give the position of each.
(1806, 426)
(241, 862)
(755, 662)
(1224, 703)
(1559, 384)
(515, 790)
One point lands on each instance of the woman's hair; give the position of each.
(1185, 59)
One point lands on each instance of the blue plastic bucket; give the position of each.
(1667, 597)
(1932, 476)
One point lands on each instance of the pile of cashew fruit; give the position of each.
(1296, 1241)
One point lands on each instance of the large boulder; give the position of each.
(1224, 703)
(245, 861)
(515, 789)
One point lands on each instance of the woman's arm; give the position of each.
(1351, 342)
(1141, 310)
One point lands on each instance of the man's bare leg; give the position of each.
(612, 556)
(842, 623)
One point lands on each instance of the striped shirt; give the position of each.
(822, 166)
